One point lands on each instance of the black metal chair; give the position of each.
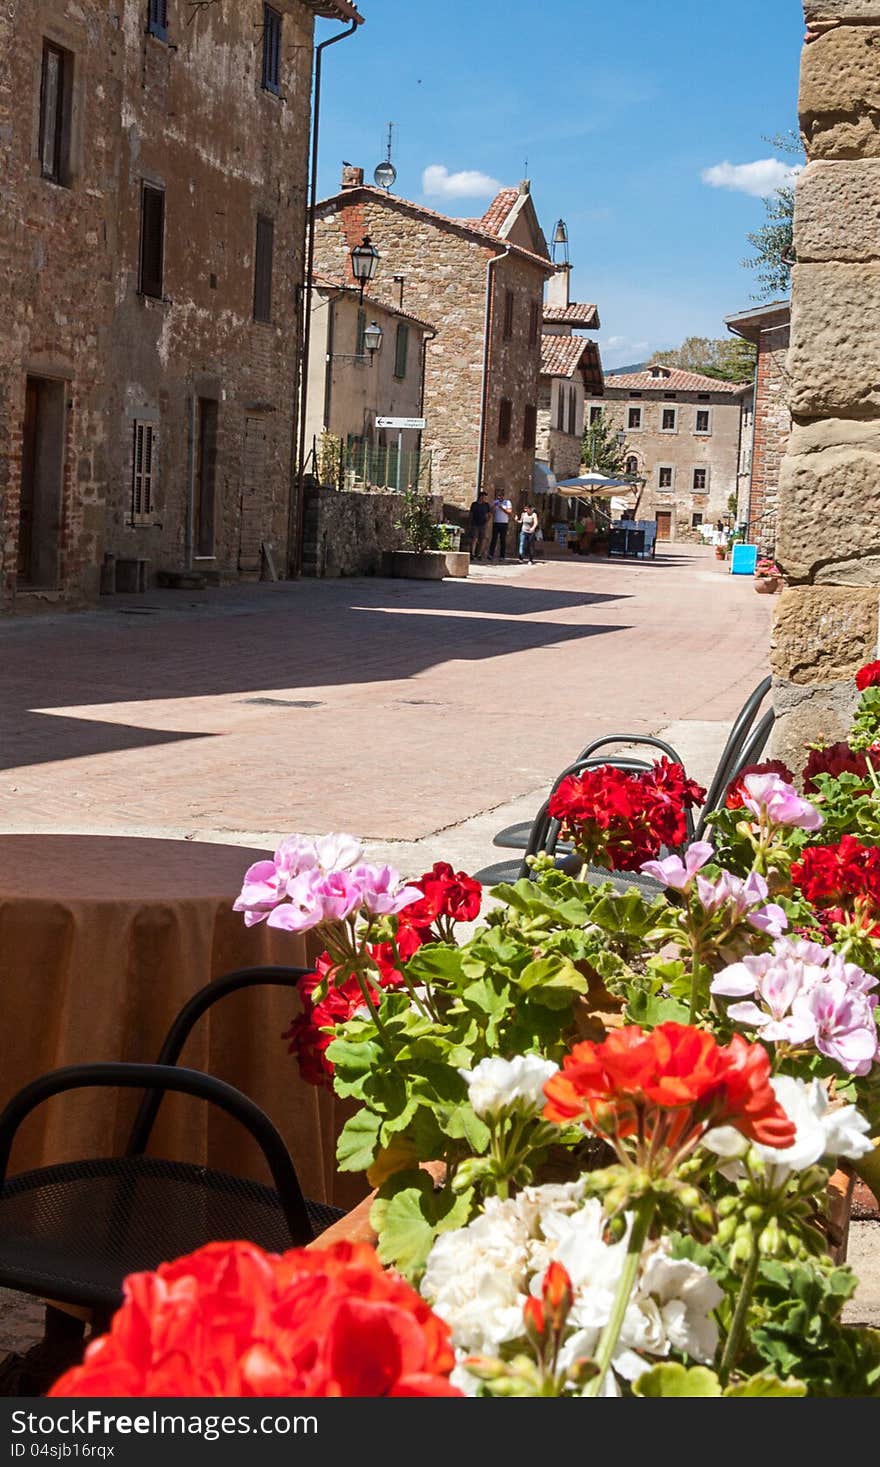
(72, 1232)
(745, 745)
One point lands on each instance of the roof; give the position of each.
(497, 212)
(563, 356)
(578, 313)
(673, 380)
(474, 228)
(750, 324)
(335, 10)
(336, 282)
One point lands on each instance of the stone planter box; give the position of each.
(429, 565)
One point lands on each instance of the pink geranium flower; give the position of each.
(676, 873)
(772, 800)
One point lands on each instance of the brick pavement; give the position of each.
(393, 708)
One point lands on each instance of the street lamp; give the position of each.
(373, 339)
(364, 259)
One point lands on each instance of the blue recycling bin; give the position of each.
(743, 559)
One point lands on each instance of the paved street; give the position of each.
(417, 714)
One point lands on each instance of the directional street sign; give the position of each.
(400, 423)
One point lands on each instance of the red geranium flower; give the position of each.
(620, 819)
(842, 882)
(653, 1096)
(835, 760)
(868, 676)
(448, 894)
(231, 1320)
(734, 798)
(312, 1031)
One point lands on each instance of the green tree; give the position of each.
(729, 358)
(601, 450)
(773, 243)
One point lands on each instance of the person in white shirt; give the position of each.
(502, 509)
(528, 527)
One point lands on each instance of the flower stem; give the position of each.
(740, 1314)
(696, 976)
(642, 1215)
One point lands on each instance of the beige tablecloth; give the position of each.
(102, 939)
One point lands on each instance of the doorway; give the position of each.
(664, 524)
(42, 476)
(254, 482)
(205, 477)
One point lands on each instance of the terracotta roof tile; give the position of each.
(335, 10)
(673, 380)
(561, 356)
(499, 209)
(475, 228)
(336, 282)
(578, 313)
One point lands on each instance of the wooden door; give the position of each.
(28, 481)
(254, 482)
(664, 524)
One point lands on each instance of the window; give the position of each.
(704, 420)
(560, 406)
(534, 324)
(401, 350)
(635, 394)
(530, 425)
(671, 396)
(142, 473)
(631, 467)
(55, 95)
(360, 341)
(508, 315)
(263, 269)
(703, 397)
(701, 477)
(505, 418)
(595, 415)
(634, 418)
(205, 477)
(664, 480)
(157, 18)
(152, 240)
(271, 50)
(572, 411)
(696, 520)
(669, 421)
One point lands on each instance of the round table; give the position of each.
(102, 940)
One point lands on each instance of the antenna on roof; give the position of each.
(385, 175)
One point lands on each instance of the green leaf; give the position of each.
(547, 974)
(358, 1141)
(408, 1214)
(767, 1385)
(671, 1379)
(649, 1010)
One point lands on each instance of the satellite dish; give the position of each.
(385, 176)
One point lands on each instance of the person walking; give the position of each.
(528, 528)
(502, 509)
(478, 527)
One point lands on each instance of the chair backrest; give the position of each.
(736, 741)
(750, 753)
(161, 1078)
(183, 1025)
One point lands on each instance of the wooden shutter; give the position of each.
(263, 269)
(152, 240)
(360, 345)
(505, 414)
(508, 315)
(401, 350)
(52, 106)
(157, 18)
(271, 49)
(530, 425)
(143, 463)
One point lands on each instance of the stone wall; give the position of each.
(188, 116)
(349, 534)
(829, 527)
(772, 425)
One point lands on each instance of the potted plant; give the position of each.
(768, 577)
(428, 552)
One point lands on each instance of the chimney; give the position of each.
(525, 186)
(558, 287)
(352, 177)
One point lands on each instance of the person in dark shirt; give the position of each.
(479, 526)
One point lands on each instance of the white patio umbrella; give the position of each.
(598, 484)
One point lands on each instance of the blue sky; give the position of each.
(620, 108)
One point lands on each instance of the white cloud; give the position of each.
(623, 351)
(760, 179)
(438, 182)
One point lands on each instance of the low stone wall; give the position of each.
(347, 534)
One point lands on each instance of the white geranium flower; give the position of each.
(820, 1130)
(497, 1084)
(337, 852)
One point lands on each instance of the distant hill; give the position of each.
(619, 371)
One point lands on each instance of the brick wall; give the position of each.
(445, 282)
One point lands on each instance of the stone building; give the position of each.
(352, 382)
(482, 283)
(682, 439)
(153, 157)
(828, 542)
(767, 426)
(571, 370)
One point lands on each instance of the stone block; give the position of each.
(840, 93)
(809, 715)
(823, 634)
(860, 10)
(835, 340)
(838, 211)
(828, 512)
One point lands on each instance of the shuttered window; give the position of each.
(508, 315)
(530, 425)
(505, 416)
(360, 346)
(572, 410)
(271, 49)
(263, 269)
(152, 240)
(143, 472)
(55, 91)
(560, 407)
(157, 18)
(401, 350)
(534, 324)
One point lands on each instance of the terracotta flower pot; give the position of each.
(766, 585)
